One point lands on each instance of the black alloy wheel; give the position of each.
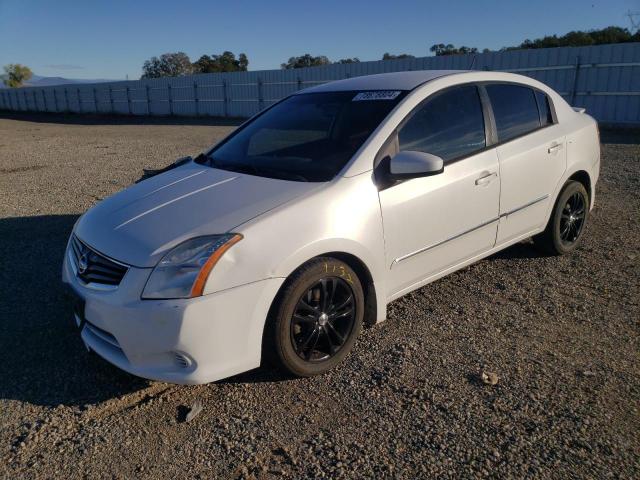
(316, 318)
(323, 319)
(566, 225)
(572, 218)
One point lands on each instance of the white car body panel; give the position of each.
(405, 236)
(530, 167)
(434, 222)
(196, 200)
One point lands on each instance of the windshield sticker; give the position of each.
(377, 95)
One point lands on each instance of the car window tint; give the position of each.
(450, 125)
(515, 110)
(543, 107)
(306, 137)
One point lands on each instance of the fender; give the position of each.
(586, 159)
(325, 247)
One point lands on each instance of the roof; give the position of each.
(382, 81)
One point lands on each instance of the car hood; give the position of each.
(137, 226)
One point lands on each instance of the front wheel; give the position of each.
(568, 219)
(318, 317)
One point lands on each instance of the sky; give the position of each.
(93, 39)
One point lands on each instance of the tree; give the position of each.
(348, 60)
(581, 38)
(441, 49)
(168, 65)
(389, 56)
(305, 60)
(15, 75)
(226, 62)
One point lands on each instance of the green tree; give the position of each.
(15, 75)
(581, 38)
(389, 56)
(305, 60)
(348, 60)
(226, 62)
(440, 49)
(168, 65)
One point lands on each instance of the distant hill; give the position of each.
(40, 81)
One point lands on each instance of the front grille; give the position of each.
(94, 268)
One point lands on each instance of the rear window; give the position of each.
(515, 110)
(450, 125)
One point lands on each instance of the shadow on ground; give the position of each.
(625, 136)
(42, 359)
(96, 119)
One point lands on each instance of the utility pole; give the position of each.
(634, 20)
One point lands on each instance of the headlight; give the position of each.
(183, 271)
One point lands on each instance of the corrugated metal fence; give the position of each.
(605, 79)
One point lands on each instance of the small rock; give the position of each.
(489, 378)
(196, 408)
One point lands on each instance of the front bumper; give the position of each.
(185, 341)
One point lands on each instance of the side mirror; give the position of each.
(411, 164)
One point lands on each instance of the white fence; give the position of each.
(605, 79)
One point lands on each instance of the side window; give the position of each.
(544, 108)
(514, 108)
(450, 125)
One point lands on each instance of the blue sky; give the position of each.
(112, 39)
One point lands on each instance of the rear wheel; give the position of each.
(318, 317)
(566, 225)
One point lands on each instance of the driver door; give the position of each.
(434, 223)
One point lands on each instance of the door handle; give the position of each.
(486, 178)
(555, 148)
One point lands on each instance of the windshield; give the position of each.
(307, 138)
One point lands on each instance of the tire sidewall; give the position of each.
(299, 283)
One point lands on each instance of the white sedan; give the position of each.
(289, 235)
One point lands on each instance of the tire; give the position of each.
(299, 320)
(564, 231)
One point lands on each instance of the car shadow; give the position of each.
(524, 249)
(620, 136)
(42, 359)
(108, 119)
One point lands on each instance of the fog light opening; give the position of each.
(182, 360)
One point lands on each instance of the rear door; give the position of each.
(436, 222)
(532, 154)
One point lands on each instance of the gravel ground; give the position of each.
(562, 334)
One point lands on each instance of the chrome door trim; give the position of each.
(526, 205)
(437, 244)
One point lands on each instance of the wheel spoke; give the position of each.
(304, 305)
(331, 328)
(327, 293)
(313, 346)
(306, 342)
(346, 302)
(302, 318)
(342, 314)
(574, 231)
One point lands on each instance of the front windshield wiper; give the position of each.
(240, 168)
(253, 169)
